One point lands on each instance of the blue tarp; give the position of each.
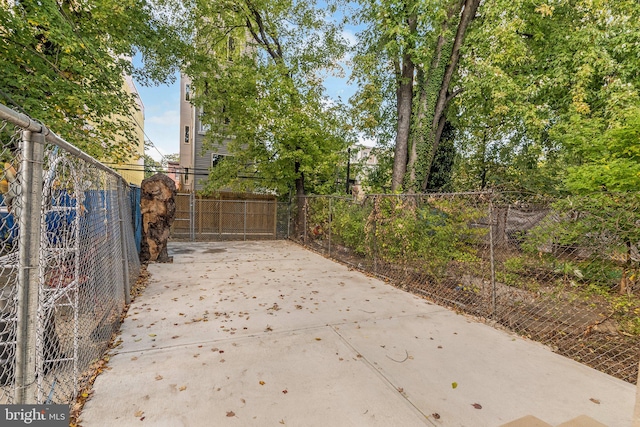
(136, 216)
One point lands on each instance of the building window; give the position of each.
(216, 159)
(187, 136)
(187, 92)
(186, 175)
(202, 127)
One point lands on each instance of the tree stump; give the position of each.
(158, 209)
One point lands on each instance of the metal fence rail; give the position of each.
(67, 260)
(564, 273)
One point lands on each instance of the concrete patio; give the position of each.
(268, 334)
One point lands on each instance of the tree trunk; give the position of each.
(404, 95)
(158, 209)
(444, 96)
(428, 84)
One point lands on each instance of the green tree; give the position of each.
(413, 47)
(263, 99)
(63, 63)
(531, 106)
(151, 166)
(546, 109)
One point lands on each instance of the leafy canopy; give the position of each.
(63, 63)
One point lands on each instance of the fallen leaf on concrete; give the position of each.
(318, 339)
(175, 336)
(400, 389)
(134, 358)
(454, 385)
(477, 406)
(152, 335)
(596, 401)
(183, 388)
(436, 415)
(231, 414)
(138, 414)
(158, 377)
(281, 421)
(262, 382)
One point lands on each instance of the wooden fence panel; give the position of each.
(219, 218)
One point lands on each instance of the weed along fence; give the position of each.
(561, 272)
(228, 216)
(67, 258)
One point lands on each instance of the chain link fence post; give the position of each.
(374, 236)
(492, 259)
(304, 222)
(329, 222)
(29, 213)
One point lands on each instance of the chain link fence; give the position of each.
(562, 272)
(233, 217)
(68, 259)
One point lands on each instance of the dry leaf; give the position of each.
(318, 339)
(134, 358)
(285, 391)
(596, 401)
(454, 385)
(138, 414)
(262, 382)
(183, 388)
(158, 378)
(231, 414)
(152, 335)
(477, 406)
(436, 415)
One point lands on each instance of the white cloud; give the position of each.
(367, 142)
(350, 37)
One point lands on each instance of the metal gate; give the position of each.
(252, 217)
